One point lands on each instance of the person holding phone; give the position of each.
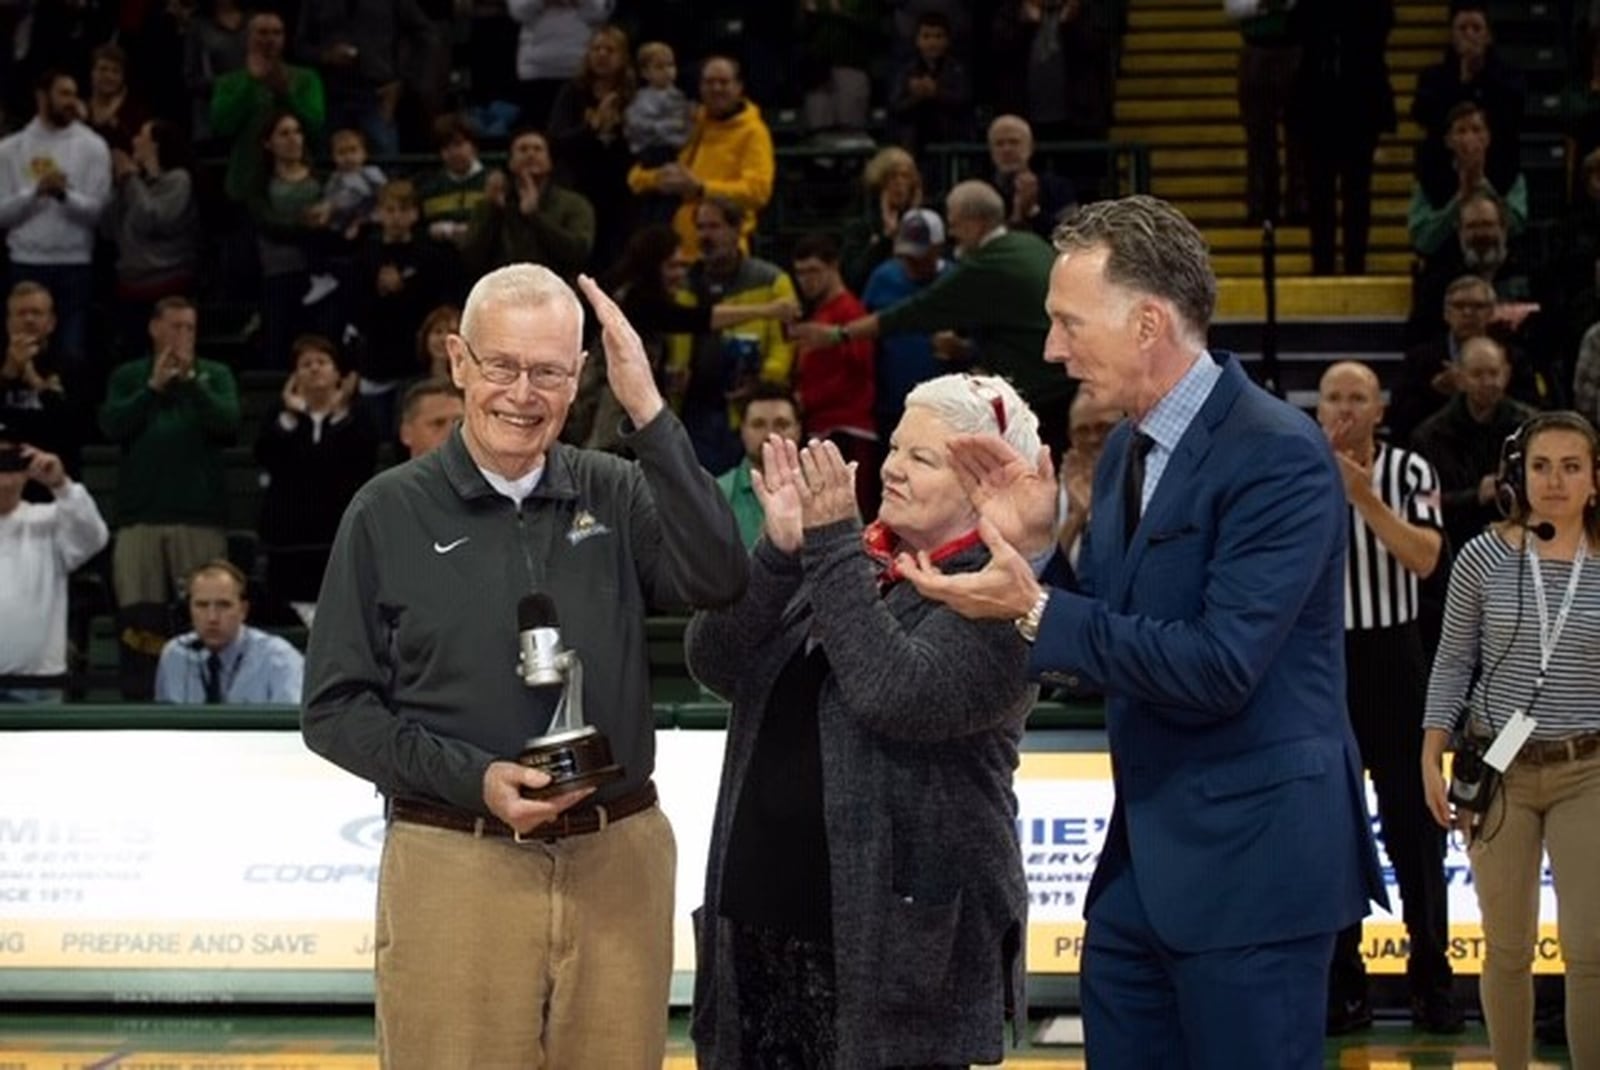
(40, 545)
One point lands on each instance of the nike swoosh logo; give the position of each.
(447, 547)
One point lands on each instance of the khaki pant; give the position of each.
(150, 561)
(1554, 807)
(497, 954)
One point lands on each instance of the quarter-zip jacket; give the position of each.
(411, 677)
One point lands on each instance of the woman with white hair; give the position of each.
(865, 902)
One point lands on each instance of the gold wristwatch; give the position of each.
(1028, 623)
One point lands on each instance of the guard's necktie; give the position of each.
(1133, 483)
(212, 677)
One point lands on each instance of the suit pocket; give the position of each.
(919, 942)
(1156, 538)
(1259, 772)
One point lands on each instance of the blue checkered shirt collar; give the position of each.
(1171, 417)
(1173, 414)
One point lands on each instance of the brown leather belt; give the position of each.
(1551, 751)
(579, 821)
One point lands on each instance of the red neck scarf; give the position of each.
(882, 545)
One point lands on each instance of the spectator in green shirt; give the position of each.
(244, 99)
(769, 410)
(1437, 198)
(525, 215)
(173, 414)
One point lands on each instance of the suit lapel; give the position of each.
(1105, 554)
(1174, 490)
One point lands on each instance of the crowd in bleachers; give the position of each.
(237, 236)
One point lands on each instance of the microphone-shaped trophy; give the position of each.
(574, 754)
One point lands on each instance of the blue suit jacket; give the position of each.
(1218, 637)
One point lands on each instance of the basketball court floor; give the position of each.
(220, 1040)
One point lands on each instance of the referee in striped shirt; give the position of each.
(1395, 540)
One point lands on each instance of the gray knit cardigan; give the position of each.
(919, 723)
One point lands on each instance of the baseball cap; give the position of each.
(921, 229)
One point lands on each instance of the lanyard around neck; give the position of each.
(1550, 634)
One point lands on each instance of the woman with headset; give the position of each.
(1519, 651)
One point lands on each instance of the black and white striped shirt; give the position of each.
(1380, 592)
(1488, 623)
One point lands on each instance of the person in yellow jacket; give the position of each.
(728, 155)
(719, 368)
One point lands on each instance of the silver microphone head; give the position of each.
(539, 659)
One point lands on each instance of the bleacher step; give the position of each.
(1364, 297)
(1166, 184)
(1230, 211)
(1165, 160)
(1181, 108)
(1401, 60)
(1206, 16)
(1226, 40)
(1236, 264)
(1228, 134)
(1289, 238)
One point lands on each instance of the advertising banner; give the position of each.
(241, 851)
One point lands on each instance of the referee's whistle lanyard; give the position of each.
(1550, 634)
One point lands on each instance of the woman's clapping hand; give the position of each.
(830, 485)
(778, 484)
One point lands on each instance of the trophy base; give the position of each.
(580, 758)
(592, 779)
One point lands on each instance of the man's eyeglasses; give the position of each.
(506, 372)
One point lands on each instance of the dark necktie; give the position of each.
(1133, 483)
(212, 677)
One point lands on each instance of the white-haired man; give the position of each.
(1034, 201)
(515, 930)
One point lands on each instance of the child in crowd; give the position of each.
(351, 199)
(398, 279)
(352, 188)
(451, 193)
(656, 122)
(932, 97)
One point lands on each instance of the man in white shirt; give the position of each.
(40, 545)
(223, 661)
(55, 179)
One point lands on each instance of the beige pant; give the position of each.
(1554, 807)
(495, 954)
(150, 561)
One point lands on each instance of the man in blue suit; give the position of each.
(1209, 609)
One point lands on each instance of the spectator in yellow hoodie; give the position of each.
(728, 155)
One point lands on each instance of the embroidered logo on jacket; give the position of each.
(584, 526)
